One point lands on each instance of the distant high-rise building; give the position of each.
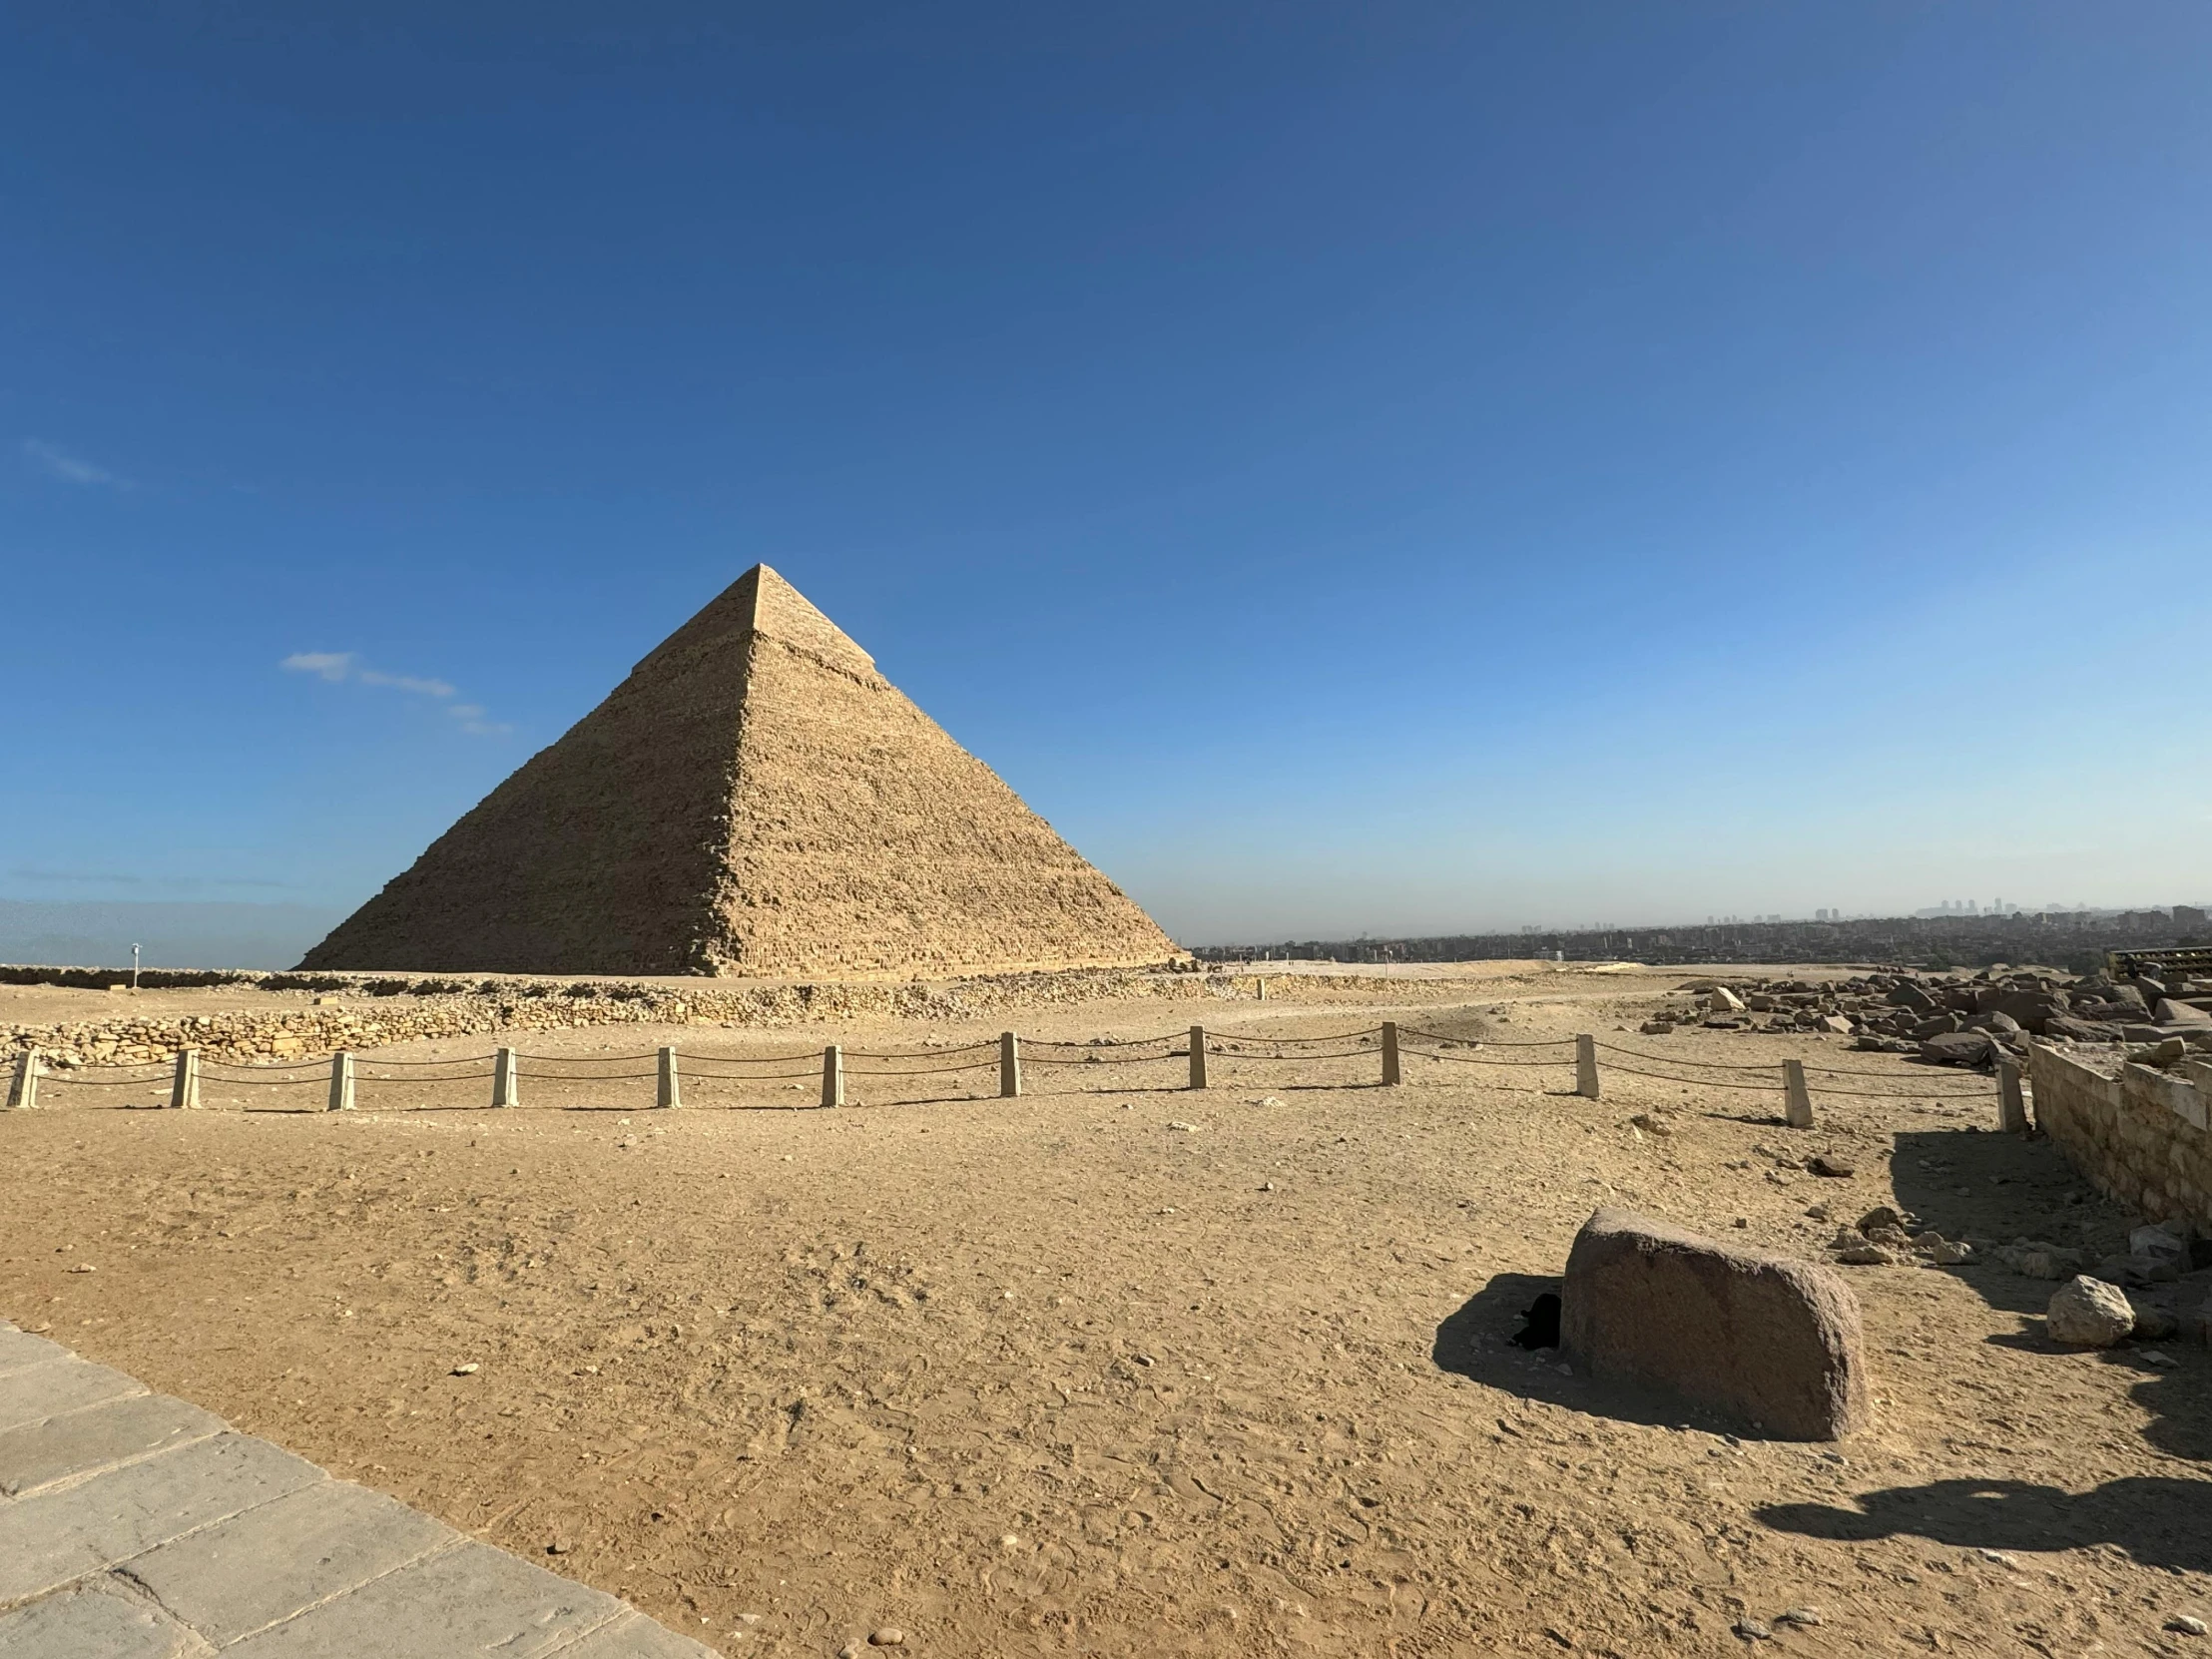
(2188, 915)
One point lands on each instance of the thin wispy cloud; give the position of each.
(340, 667)
(70, 469)
(406, 681)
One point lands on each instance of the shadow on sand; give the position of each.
(1967, 1183)
(1475, 1341)
(2158, 1520)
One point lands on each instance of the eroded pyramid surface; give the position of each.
(755, 799)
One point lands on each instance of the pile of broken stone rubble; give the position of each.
(1963, 1019)
(2089, 1310)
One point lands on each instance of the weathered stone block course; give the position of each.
(2134, 1133)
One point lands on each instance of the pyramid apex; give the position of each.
(764, 602)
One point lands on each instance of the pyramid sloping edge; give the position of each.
(755, 799)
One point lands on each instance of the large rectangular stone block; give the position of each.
(19, 1350)
(64, 1384)
(98, 1437)
(469, 1600)
(93, 1624)
(269, 1563)
(55, 1537)
(1774, 1342)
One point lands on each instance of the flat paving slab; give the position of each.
(137, 1526)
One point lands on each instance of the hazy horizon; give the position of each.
(274, 936)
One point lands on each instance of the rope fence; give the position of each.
(1198, 1048)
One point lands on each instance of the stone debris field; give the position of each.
(1123, 1367)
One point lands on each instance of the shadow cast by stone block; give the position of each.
(2158, 1520)
(1477, 1342)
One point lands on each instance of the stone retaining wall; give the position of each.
(444, 1008)
(2137, 1134)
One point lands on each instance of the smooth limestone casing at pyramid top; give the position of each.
(755, 799)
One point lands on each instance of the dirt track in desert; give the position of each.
(1124, 1368)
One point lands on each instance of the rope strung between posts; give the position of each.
(1479, 1060)
(747, 1059)
(1884, 1094)
(1856, 1071)
(381, 1060)
(755, 1078)
(1488, 1042)
(920, 1053)
(1239, 1054)
(104, 1082)
(1700, 1082)
(587, 1059)
(1677, 1060)
(372, 1078)
(609, 1078)
(1102, 1042)
(1029, 1059)
(920, 1071)
(1290, 1042)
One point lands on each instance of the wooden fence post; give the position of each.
(1585, 1067)
(2011, 1104)
(1198, 1056)
(1010, 1066)
(669, 1090)
(23, 1087)
(1796, 1099)
(503, 1091)
(1389, 1052)
(183, 1088)
(341, 1081)
(832, 1075)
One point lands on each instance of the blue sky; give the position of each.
(1405, 467)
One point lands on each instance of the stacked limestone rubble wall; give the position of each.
(2137, 1134)
(402, 1010)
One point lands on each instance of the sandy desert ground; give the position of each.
(1122, 1368)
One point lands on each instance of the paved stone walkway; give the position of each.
(136, 1526)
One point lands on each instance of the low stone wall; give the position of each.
(440, 1007)
(2137, 1134)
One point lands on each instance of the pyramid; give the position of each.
(755, 799)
